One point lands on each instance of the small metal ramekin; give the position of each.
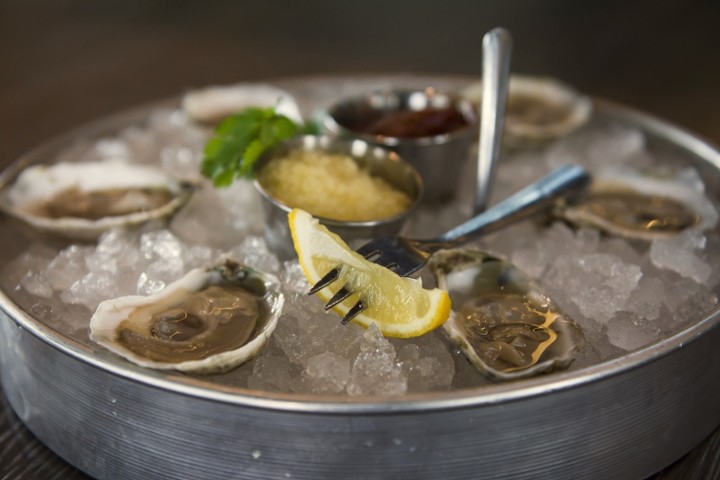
(378, 161)
(440, 159)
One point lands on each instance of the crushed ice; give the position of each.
(624, 294)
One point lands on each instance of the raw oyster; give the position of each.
(209, 321)
(82, 200)
(626, 203)
(212, 104)
(503, 323)
(538, 109)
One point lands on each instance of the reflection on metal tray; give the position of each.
(22, 455)
(625, 418)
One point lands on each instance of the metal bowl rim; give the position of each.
(328, 120)
(392, 156)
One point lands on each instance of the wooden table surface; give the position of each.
(66, 63)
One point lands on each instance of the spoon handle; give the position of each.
(565, 182)
(497, 49)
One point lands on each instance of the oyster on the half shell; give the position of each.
(209, 321)
(632, 205)
(503, 323)
(84, 199)
(212, 104)
(538, 110)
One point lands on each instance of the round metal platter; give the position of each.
(624, 418)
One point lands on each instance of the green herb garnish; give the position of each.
(240, 140)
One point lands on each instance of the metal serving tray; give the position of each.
(623, 419)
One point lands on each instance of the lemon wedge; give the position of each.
(399, 306)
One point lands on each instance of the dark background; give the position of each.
(67, 62)
(64, 63)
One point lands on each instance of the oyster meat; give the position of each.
(631, 205)
(503, 323)
(82, 200)
(212, 104)
(538, 110)
(209, 321)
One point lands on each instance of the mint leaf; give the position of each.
(283, 127)
(240, 140)
(253, 151)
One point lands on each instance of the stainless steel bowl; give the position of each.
(625, 418)
(378, 161)
(440, 158)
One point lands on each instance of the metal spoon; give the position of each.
(497, 49)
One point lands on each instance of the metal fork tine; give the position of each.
(387, 260)
(341, 295)
(353, 312)
(329, 278)
(407, 270)
(369, 249)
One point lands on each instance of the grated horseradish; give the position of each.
(331, 186)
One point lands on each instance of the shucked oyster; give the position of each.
(631, 205)
(505, 326)
(82, 200)
(538, 109)
(210, 321)
(212, 104)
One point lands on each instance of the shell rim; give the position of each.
(82, 228)
(204, 276)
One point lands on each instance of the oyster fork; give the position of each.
(404, 256)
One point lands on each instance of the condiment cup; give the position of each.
(378, 161)
(439, 158)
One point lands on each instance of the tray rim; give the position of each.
(410, 403)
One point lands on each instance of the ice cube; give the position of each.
(326, 373)
(679, 254)
(293, 278)
(273, 373)
(90, 290)
(36, 284)
(375, 370)
(597, 147)
(160, 244)
(67, 266)
(629, 331)
(426, 362)
(599, 284)
(34, 260)
(646, 300)
(254, 252)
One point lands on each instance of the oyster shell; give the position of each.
(212, 104)
(538, 110)
(209, 321)
(503, 323)
(82, 200)
(626, 203)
